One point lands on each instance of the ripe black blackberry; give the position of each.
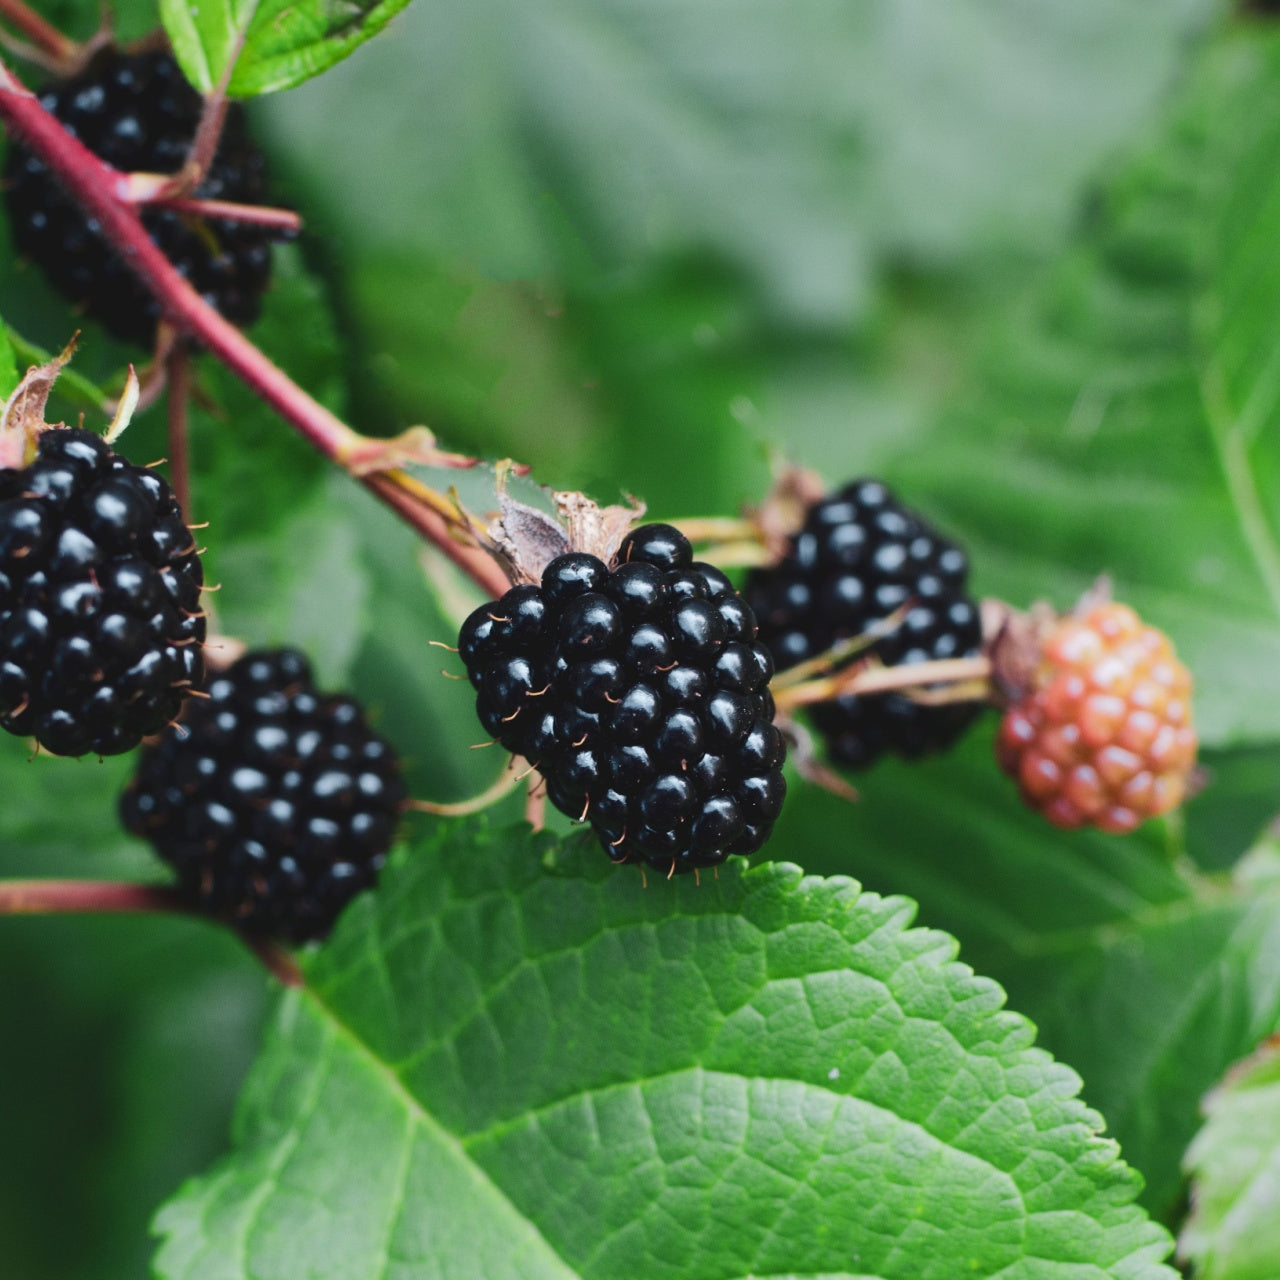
(138, 113)
(641, 694)
(100, 621)
(860, 556)
(275, 804)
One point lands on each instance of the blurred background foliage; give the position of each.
(648, 246)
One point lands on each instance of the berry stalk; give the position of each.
(159, 189)
(45, 37)
(111, 897)
(103, 192)
(969, 677)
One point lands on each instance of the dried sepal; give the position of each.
(23, 418)
(529, 538)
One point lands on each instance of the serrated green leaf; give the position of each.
(1146, 976)
(1233, 1232)
(275, 44)
(516, 1060)
(315, 599)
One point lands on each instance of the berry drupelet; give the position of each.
(274, 804)
(641, 694)
(1101, 734)
(859, 557)
(101, 629)
(138, 113)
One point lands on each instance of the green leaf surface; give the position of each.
(1233, 1232)
(531, 1065)
(274, 44)
(1146, 975)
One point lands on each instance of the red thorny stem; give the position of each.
(110, 897)
(103, 192)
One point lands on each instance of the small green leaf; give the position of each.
(275, 44)
(515, 1060)
(8, 364)
(1233, 1232)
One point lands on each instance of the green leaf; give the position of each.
(1233, 1232)
(8, 364)
(279, 43)
(316, 602)
(518, 1061)
(1146, 976)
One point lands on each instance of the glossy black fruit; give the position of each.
(275, 804)
(860, 557)
(641, 693)
(101, 630)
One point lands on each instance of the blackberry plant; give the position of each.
(513, 1057)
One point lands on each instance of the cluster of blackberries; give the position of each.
(138, 113)
(274, 804)
(860, 557)
(640, 692)
(100, 621)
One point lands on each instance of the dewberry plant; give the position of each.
(659, 251)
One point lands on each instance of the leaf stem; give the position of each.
(113, 897)
(102, 192)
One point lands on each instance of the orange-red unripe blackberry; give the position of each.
(1103, 735)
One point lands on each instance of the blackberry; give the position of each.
(860, 556)
(274, 804)
(138, 113)
(100, 622)
(641, 694)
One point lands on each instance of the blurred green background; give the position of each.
(648, 246)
